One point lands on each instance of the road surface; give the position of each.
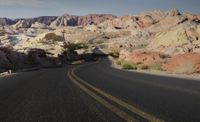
(97, 92)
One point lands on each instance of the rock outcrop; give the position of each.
(39, 25)
(6, 21)
(140, 56)
(10, 59)
(180, 39)
(183, 63)
(72, 20)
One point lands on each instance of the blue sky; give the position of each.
(33, 8)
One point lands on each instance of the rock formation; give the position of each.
(6, 21)
(72, 20)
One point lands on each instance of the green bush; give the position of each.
(129, 66)
(118, 62)
(114, 54)
(138, 63)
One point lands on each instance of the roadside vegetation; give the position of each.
(139, 65)
(129, 66)
(114, 54)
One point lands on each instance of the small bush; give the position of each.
(114, 54)
(118, 62)
(81, 46)
(100, 42)
(138, 63)
(163, 56)
(129, 66)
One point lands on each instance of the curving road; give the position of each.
(97, 92)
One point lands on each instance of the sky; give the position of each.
(33, 8)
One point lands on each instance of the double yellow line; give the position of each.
(83, 85)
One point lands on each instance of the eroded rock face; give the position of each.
(183, 63)
(124, 22)
(94, 19)
(10, 59)
(6, 21)
(46, 20)
(72, 20)
(147, 21)
(171, 38)
(140, 56)
(22, 24)
(173, 12)
(38, 25)
(39, 57)
(183, 38)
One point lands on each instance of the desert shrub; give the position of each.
(80, 46)
(114, 54)
(156, 66)
(118, 62)
(186, 67)
(129, 66)
(138, 63)
(73, 46)
(144, 67)
(99, 42)
(53, 36)
(164, 56)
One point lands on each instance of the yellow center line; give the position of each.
(131, 108)
(109, 106)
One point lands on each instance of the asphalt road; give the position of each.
(53, 95)
(48, 96)
(170, 99)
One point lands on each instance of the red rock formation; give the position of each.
(183, 63)
(93, 19)
(143, 57)
(72, 20)
(146, 21)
